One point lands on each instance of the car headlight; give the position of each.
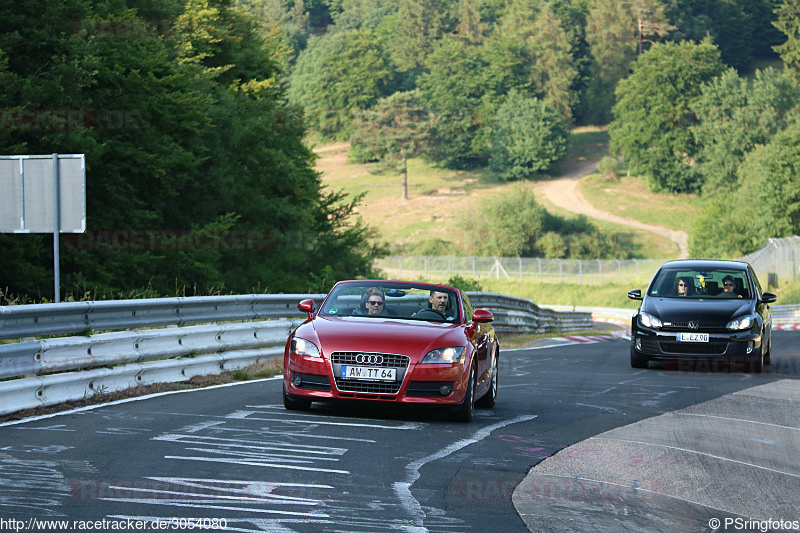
(649, 321)
(444, 355)
(303, 347)
(743, 322)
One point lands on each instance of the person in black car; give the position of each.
(684, 286)
(728, 286)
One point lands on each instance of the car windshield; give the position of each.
(393, 301)
(701, 284)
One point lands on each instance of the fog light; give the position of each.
(638, 344)
(750, 346)
(297, 380)
(445, 390)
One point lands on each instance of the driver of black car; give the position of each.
(728, 288)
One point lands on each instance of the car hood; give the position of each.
(409, 337)
(709, 310)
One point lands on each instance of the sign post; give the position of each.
(32, 202)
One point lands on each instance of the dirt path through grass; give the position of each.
(564, 193)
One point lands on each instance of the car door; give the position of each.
(483, 339)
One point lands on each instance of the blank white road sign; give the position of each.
(27, 191)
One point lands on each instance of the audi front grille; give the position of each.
(371, 359)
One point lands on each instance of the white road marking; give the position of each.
(741, 420)
(700, 453)
(257, 463)
(317, 421)
(255, 445)
(403, 488)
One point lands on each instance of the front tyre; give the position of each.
(490, 398)
(293, 403)
(757, 364)
(464, 412)
(637, 359)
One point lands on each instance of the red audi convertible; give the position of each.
(393, 341)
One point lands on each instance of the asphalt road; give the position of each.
(233, 456)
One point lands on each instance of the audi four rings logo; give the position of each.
(369, 359)
(694, 325)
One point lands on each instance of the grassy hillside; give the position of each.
(629, 197)
(440, 200)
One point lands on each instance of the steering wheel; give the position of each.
(421, 312)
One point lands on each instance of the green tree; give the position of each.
(470, 22)
(338, 73)
(185, 128)
(734, 116)
(396, 128)
(531, 52)
(453, 88)
(554, 70)
(770, 184)
(507, 225)
(527, 137)
(725, 21)
(735, 225)
(412, 31)
(788, 22)
(762, 15)
(276, 16)
(356, 14)
(616, 32)
(653, 115)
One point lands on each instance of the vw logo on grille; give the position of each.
(369, 359)
(694, 324)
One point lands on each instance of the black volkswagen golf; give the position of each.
(703, 310)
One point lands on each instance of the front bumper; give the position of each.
(317, 379)
(659, 345)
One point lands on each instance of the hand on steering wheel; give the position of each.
(431, 310)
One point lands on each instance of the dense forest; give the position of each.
(194, 117)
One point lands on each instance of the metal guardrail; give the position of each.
(81, 317)
(785, 314)
(518, 315)
(60, 369)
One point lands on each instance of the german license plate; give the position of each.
(692, 337)
(369, 372)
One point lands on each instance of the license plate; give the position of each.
(692, 337)
(369, 372)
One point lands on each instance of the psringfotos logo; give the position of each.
(745, 524)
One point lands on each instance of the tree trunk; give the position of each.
(405, 175)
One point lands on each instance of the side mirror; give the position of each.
(482, 316)
(768, 298)
(635, 294)
(306, 306)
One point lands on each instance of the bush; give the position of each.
(527, 137)
(608, 168)
(464, 284)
